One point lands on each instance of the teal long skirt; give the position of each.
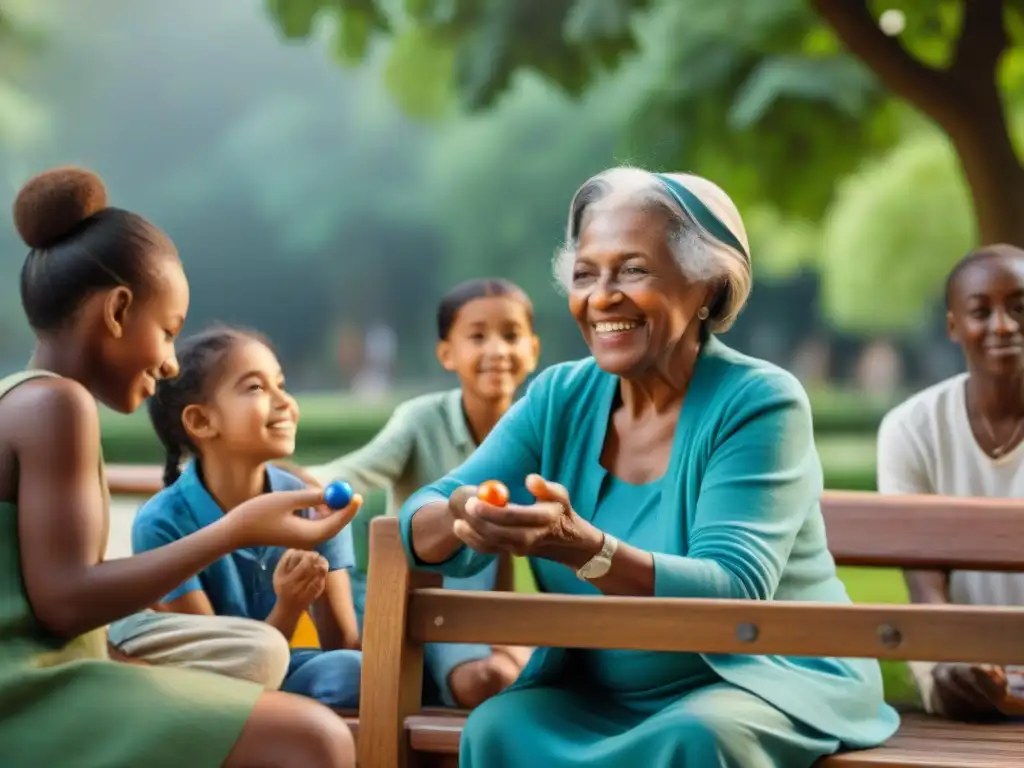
(715, 726)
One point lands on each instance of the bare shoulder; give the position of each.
(50, 414)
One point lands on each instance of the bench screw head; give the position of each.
(889, 636)
(746, 632)
(438, 621)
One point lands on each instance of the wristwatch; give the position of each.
(599, 564)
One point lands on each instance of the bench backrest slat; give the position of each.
(392, 677)
(134, 480)
(925, 531)
(863, 528)
(960, 633)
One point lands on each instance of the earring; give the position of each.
(703, 313)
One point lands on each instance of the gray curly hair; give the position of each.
(706, 234)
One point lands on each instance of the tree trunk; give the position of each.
(992, 170)
(963, 99)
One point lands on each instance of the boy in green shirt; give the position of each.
(486, 337)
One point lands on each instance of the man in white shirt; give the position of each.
(963, 437)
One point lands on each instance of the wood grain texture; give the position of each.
(922, 742)
(391, 686)
(924, 531)
(863, 528)
(937, 633)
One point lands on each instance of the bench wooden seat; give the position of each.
(406, 610)
(922, 742)
(431, 720)
(929, 742)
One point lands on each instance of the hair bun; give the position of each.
(53, 203)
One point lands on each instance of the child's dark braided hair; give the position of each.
(199, 361)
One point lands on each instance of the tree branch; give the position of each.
(982, 42)
(926, 88)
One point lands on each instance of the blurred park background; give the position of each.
(329, 167)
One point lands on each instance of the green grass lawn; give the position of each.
(865, 585)
(839, 452)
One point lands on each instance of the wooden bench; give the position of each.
(143, 480)
(406, 610)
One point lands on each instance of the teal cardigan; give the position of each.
(741, 494)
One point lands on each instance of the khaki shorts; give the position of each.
(230, 646)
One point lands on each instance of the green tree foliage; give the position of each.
(753, 94)
(23, 119)
(25, 123)
(778, 100)
(302, 198)
(741, 90)
(958, 63)
(888, 241)
(749, 89)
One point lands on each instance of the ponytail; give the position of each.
(172, 466)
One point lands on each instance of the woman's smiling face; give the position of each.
(628, 294)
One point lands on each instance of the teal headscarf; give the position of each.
(702, 216)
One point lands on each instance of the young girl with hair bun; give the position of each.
(106, 295)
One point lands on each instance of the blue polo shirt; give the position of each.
(242, 583)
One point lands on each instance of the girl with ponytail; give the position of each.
(222, 420)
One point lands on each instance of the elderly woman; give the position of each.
(666, 465)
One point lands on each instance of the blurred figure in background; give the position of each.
(373, 382)
(811, 363)
(879, 369)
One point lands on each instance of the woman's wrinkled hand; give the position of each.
(549, 528)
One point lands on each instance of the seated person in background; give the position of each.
(962, 437)
(666, 465)
(486, 338)
(229, 411)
